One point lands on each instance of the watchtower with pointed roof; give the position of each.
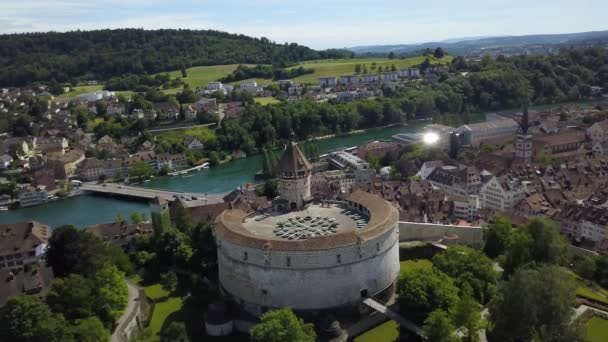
(523, 141)
(293, 178)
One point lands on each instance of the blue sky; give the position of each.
(315, 23)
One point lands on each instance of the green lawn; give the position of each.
(266, 100)
(600, 295)
(386, 332)
(411, 265)
(597, 329)
(177, 136)
(75, 91)
(162, 310)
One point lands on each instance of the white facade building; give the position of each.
(502, 193)
(30, 196)
(328, 82)
(479, 132)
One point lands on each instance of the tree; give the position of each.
(214, 158)
(184, 72)
(282, 325)
(271, 188)
(169, 281)
(137, 217)
(532, 302)
(120, 218)
(182, 112)
(173, 248)
(497, 237)
(438, 327)
(88, 330)
(373, 161)
(518, 252)
(174, 332)
(391, 55)
(112, 293)
(585, 266)
(425, 290)
(469, 268)
(141, 170)
(548, 245)
(466, 315)
(439, 53)
(73, 251)
(27, 318)
(72, 296)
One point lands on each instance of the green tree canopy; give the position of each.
(112, 293)
(72, 296)
(174, 332)
(466, 315)
(439, 328)
(141, 170)
(535, 301)
(280, 326)
(425, 290)
(497, 236)
(28, 318)
(468, 266)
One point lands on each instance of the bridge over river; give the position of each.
(147, 193)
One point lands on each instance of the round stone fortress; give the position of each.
(314, 257)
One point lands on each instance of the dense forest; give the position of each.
(102, 54)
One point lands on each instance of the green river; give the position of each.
(86, 210)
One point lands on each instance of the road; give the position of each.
(180, 127)
(131, 306)
(146, 193)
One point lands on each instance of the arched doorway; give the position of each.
(294, 205)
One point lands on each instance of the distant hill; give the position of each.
(464, 46)
(101, 54)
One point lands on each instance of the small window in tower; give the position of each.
(377, 247)
(245, 256)
(339, 258)
(288, 261)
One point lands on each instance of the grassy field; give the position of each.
(177, 136)
(341, 67)
(386, 332)
(411, 265)
(200, 76)
(266, 100)
(597, 330)
(80, 90)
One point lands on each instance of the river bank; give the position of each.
(87, 209)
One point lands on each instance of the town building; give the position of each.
(389, 76)
(349, 80)
(215, 86)
(22, 243)
(377, 148)
(456, 181)
(29, 196)
(36, 281)
(598, 132)
(121, 234)
(502, 193)
(193, 143)
(369, 78)
(476, 133)
(344, 160)
(328, 82)
(250, 86)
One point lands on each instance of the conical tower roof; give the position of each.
(293, 160)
